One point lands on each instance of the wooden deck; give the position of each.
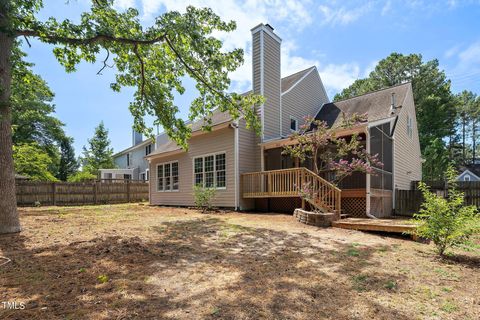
(383, 225)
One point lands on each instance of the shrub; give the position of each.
(446, 221)
(203, 197)
(82, 176)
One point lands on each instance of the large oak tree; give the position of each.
(153, 59)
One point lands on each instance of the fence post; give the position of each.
(95, 192)
(128, 190)
(54, 194)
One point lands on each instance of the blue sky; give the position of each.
(344, 39)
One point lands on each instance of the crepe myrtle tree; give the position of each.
(329, 153)
(154, 60)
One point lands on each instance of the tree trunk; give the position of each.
(9, 221)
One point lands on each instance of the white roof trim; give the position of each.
(469, 172)
(299, 80)
(267, 30)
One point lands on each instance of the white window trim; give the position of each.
(147, 175)
(171, 177)
(290, 124)
(465, 177)
(214, 168)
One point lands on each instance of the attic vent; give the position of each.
(393, 105)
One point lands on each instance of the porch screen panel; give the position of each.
(381, 144)
(160, 177)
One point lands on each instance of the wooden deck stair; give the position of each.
(319, 193)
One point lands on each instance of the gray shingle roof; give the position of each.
(376, 104)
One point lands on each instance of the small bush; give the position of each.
(446, 221)
(82, 176)
(203, 197)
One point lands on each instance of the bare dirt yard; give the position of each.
(140, 262)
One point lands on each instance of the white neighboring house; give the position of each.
(468, 175)
(130, 163)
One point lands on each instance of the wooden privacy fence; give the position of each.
(408, 202)
(30, 193)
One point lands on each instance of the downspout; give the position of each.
(236, 164)
(368, 204)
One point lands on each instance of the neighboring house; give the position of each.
(470, 173)
(250, 172)
(131, 163)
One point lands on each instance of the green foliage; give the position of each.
(203, 197)
(468, 119)
(32, 161)
(103, 278)
(437, 160)
(81, 176)
(446, 221)
(68, 163)
(153, 59)
(98, 155)
(32, 108)
(431, 91)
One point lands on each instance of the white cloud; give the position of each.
(337, 77)
(124, 4)
(387, 8)
(290, 16)
(333, 15)
(471, 55)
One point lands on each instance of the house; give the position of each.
(131, 163)
(470, 173)
(249, 170)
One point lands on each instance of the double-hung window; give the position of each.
(167, 176)
(210, 171)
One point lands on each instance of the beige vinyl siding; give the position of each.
(271, 89)
(407, 156)
(210, 143)
(256, 62)
(269, 58)
(304, 99)
(249, 158)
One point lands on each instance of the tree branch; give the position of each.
(105, 63)
(86, 41)
(142, 71)
(195, 73)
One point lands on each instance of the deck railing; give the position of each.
(293, 182)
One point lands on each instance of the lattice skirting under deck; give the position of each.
(354, 207)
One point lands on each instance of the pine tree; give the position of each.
(68, 163)
(99, 154)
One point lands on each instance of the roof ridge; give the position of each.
(371, 92)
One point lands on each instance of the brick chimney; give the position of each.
(266, 81)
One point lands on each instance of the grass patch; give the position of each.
(391, 285)
(449, 306)
(359, 282)
(353, 252)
